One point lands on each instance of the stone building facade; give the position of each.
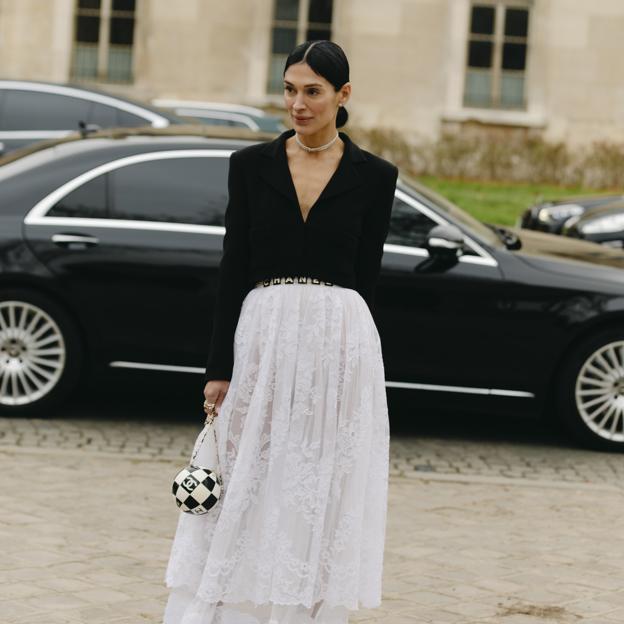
(549, 67)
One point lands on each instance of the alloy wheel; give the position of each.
(33, 353)
(599, 391)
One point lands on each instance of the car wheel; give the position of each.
(41, 353)
(590, 393)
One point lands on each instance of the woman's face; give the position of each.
(310, 99)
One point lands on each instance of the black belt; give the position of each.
(292, 280)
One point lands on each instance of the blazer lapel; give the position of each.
(274, 168)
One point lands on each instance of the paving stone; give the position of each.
(483, 532)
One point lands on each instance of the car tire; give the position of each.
(41, 353)
(589, 392)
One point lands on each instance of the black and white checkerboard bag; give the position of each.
(197, 488)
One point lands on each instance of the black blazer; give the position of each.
(341, 241)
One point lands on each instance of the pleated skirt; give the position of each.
(303, 446)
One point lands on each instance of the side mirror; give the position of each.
(86, 129)
(445, 240)
(445, 245)
(1, 148)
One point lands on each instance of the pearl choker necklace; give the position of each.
(315, 149)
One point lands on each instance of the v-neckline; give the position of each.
(292, 182)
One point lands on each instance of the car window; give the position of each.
(128, 120)
(270, 124)
(36, 110)
(179, 190)
(237, 124)
(219, 121)
(441, 204)
(110, 117)
(86, 201)
(408, 226)
(103, 115)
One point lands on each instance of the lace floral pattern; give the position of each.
(303, 443)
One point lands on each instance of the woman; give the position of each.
(296, 375)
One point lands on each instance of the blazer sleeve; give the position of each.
(374, 232)
(232, 280)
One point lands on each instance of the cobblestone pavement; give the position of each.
(488, 520)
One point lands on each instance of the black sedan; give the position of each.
(550, 215)
(32, 111)
(109, 252)
(603, 224)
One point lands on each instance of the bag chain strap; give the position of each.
(209, 422)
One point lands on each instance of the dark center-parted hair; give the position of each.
(328, 60)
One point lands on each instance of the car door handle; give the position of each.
(74, 240)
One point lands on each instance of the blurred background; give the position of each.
(117, 119)
(501, 292)
(522, 91)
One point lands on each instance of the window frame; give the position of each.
(126, 173)
(151, 118)
(105, 13)
(26, 97)
(481, 256)
(498, 39)
(37, 215)
(301, 25)
(106, 211)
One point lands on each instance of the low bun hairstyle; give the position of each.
(327, 59)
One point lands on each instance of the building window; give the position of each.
(295, 21)
(497, 53)
(103, 40)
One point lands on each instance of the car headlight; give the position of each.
(608, 223)
(554, 214)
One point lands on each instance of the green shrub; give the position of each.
(496, 155)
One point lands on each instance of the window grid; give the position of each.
(496, 86)
(97, 54)
(290, 33)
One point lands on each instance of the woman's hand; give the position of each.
(214, 392)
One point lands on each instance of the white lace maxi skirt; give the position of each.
(303, 441)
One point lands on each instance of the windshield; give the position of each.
(437, 202)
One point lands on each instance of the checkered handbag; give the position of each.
(197, 488)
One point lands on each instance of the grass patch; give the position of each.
(501, 202)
